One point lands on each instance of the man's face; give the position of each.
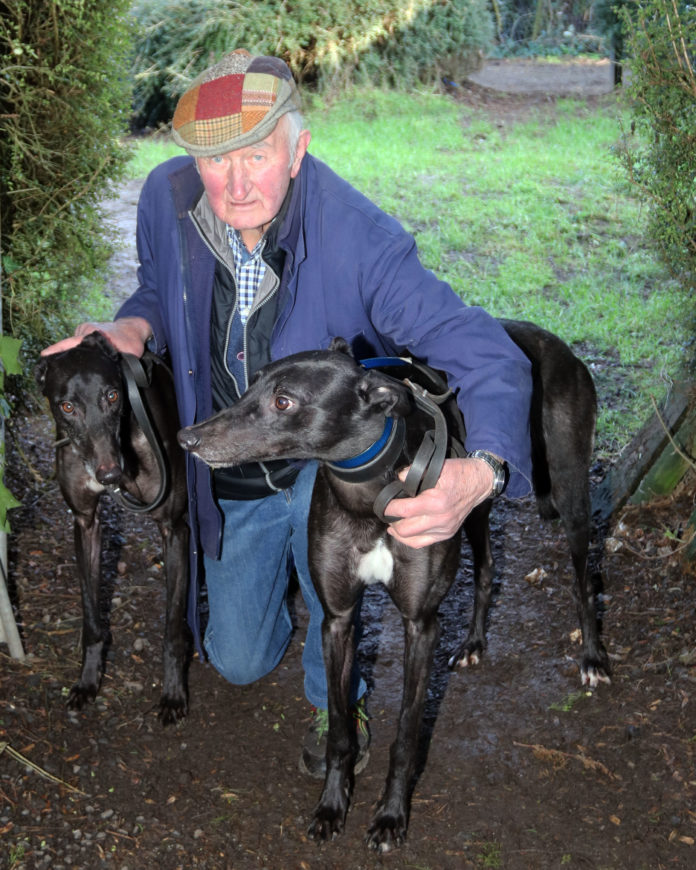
(246, 187)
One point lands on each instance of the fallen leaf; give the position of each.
(536, 577)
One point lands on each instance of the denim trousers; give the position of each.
(249, 625)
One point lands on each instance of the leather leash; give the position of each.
(426, 467)
(136, 379)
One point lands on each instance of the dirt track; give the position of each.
(533, 78)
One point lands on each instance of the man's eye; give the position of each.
(67, 407)
(282, 403)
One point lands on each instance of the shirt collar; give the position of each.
(239, 249)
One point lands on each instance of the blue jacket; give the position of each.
(350, 270)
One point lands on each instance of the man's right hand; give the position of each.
(127, 334)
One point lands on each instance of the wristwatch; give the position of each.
(500, 470)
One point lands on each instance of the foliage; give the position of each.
(443, 39)
(64, 101)
(548, 28)
(328, 45)
(660, 152)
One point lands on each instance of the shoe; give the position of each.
(313, 758)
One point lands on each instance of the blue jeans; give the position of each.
(249, 626)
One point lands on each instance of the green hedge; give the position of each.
(327, 45)
(660, 39)
(64, 102)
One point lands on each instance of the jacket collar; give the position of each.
(291, 236)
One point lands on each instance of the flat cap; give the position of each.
(235, 103)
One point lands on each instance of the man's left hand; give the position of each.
(436, 514)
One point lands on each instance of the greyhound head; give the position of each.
(312, 405)
(84, 388)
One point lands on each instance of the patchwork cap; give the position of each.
(235, 103)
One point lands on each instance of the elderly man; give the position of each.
(250, 250)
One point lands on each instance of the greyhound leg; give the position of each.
(574, 508)
(174, 700)
(342, 743)
(388, 828)
(478, 534)
(87, 531)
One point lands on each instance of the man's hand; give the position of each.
(437, 513)
(127, 334)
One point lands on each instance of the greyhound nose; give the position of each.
(188, 439)
(107, 475)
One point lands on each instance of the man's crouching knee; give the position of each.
(240, 667)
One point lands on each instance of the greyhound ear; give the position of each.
(40, 371)
(340, 345)
(100, 341)
(389, 395)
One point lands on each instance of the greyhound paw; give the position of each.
(387, 832)
(595, 667)
(593, 673)
(80, 695)
(171, 709)
(468, 655)
(327, 823)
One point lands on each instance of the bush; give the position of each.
(64, 101)
(327, 45)
(559, 28)
(444, 39)
(660, 37)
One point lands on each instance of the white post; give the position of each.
(8, 627)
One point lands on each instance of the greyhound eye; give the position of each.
(67, 407)
(112, 396)
(282, 403)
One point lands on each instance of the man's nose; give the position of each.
(237, 180)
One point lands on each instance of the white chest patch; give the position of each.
(377, 566)
(94, 485)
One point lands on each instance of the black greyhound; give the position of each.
(324, 405)
(102, 446)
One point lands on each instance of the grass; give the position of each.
(532, 220)
(148, 152)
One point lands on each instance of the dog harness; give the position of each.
(380, 457)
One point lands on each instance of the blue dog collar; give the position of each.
(377, 362)
(371, 452)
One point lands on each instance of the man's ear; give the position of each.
(391, 396)
(303, 141)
